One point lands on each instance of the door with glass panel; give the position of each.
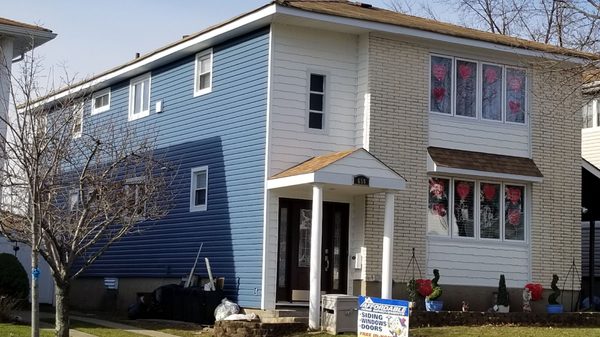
(293, 268)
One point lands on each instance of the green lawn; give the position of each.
(13, 330)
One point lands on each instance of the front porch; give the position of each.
(316, 222)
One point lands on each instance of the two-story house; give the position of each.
(320, 141)
(16, 39)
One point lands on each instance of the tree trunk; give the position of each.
(62, 309)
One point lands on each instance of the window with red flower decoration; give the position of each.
(466, 88)
(514, 213)
(463, 208)
(491, 101)
(441, 85)
(515, 95)
(489, 211)
(438, 214)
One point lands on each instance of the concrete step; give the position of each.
(280, 320)
(278, 313)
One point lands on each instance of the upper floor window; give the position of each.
(199, 189)
(476, 209)
(77, 128)
(316, 102)
(139, 97)
(477, 90)
(203, 78)
(101, 101)
(590, 114)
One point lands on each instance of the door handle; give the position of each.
(326, 262)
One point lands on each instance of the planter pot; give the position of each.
(434, 305)
(502, 308)
(554, 308)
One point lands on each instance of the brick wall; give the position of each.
(556, 149)
(398, 136)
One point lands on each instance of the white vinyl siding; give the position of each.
(203, 73)
(296, 53)
(101, 101)
(139, 97)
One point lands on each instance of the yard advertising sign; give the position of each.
(379, 317)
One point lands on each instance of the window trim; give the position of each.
(200, 92)
(143, 113)
(479, 90)
(595, 102)
(193, 174)
(75, 135)
(477, 205)
(98, 94)
(325, 118)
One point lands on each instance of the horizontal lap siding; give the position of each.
(585, 250)
(297, 52)
(478, 263)
(224, 130)
(464, 134)
(590, 151)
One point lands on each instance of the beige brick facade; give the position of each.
(399, 136)
(556, 149)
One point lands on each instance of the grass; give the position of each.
(14, 330)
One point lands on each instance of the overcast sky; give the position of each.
(94, 36)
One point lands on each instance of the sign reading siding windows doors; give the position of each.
(316, 102)
(199, 189)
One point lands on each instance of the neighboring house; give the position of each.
(320, 141)
(16, 39)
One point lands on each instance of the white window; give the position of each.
(591, 112)
(316, 102)
(199, 189)
(203, 73)
(477, 90)
(485, 210)
(74, 200)
(77, 120)
(101, 101)
(135, 196)
(139, 97)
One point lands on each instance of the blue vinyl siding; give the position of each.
(224, 130)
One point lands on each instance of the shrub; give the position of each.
(436, 289)
(502, 292)
(13, 278)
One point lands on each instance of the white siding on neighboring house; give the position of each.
(480, 136)
(478, 263)
(297, 52)
(590, 145)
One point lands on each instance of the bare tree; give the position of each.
(71, 191)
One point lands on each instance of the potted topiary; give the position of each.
(431, 301)
(553, 306)
(502, 301)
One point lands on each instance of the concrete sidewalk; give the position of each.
(26, 317)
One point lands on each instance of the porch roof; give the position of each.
(342, 168)
(481, 164)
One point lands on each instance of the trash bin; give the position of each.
(339, 313)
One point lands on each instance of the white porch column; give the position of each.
(316, 233)
(388, 247)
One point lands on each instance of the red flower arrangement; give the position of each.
(439, 71)
(514, 217)
(515, 83)
(465, 71)
(536, 290)
(436, 187)
(491, 75)
(489, 192)
(424, 287)
(514, 106)
(513, 194)
(439, 93)
(463, 189)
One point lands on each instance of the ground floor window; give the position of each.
(477, 209)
